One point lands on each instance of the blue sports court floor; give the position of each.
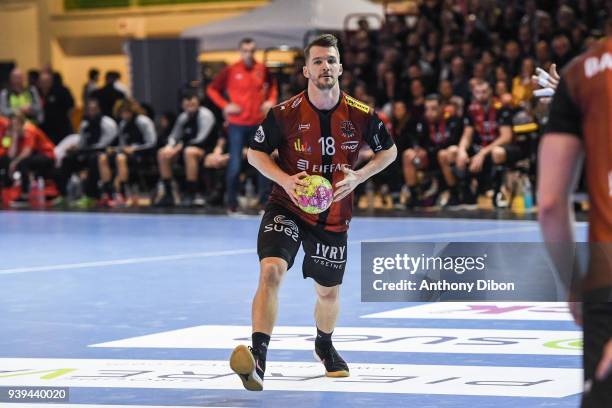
(143, 310)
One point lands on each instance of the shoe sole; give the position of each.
(243, 364)
(332, 374)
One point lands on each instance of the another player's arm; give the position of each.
(559, 163)
(385, 153)
(464, 144)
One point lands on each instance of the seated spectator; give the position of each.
(485, 142)
(187, 140)
(29, 152)
(522, 86)
(96, 133)
(18, 98)
(136, 137)
(58, 103)
(434, 137)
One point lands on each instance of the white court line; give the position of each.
(163, 258)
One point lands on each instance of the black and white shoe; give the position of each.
(246, 363)
(335, 366)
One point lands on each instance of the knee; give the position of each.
(443, 157)
(327, 295)
(498, 154)
(103, 159)
(121, 159)
(409, 156)
(272, 273)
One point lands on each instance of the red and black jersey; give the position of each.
(486, 121)
(440, 135)
(320, 142)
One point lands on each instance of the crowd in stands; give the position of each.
(453, 82)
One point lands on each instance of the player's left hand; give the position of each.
(604, 368)
(265, 107)
(345, 186)
(476, 163)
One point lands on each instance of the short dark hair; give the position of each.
(433, 97)
(324, 40)
(246, 40)
(93, 73)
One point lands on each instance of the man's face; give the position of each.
(482, 92)
(247, 52)
(191, 105)
(432, 111)
(323, 67)
(93, 109)
(126, 115)
(16, 79)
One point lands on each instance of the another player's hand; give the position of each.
(462, 159)
(604, 368)
(345, 186)
(231, 109)
(291, 183)
(476, 163)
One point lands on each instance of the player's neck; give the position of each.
(323, 99)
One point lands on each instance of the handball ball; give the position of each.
(317, 196)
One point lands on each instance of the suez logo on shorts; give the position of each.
(284, 225)
(330, 256)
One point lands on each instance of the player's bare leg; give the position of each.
(327, 308)
(250, 362)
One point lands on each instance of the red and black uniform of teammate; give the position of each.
(432, 135)
(319, 131)
(579, 126)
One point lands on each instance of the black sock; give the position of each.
(108, 188)
(167, 186)
(260, 344)
(323, 340)
(192, 187)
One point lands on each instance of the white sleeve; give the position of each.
(206, 122)
(147, 128)
(109, 132)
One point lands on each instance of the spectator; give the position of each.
(96, 133)
(188, 140)
(136, 138)
(57, 106)
(562, 50)
(93, 76)
(522, 86)
(30, 152)
(250, 93)
(108, 95)
(18, 98)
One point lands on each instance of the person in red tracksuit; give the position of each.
(25, 149)
(245, 91)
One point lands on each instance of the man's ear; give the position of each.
(341, 70)
(305, 71)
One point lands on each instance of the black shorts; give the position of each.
(516, 151)
(282, 232)
(597, 326)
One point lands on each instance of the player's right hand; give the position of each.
(291, 183)
(231, 109)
